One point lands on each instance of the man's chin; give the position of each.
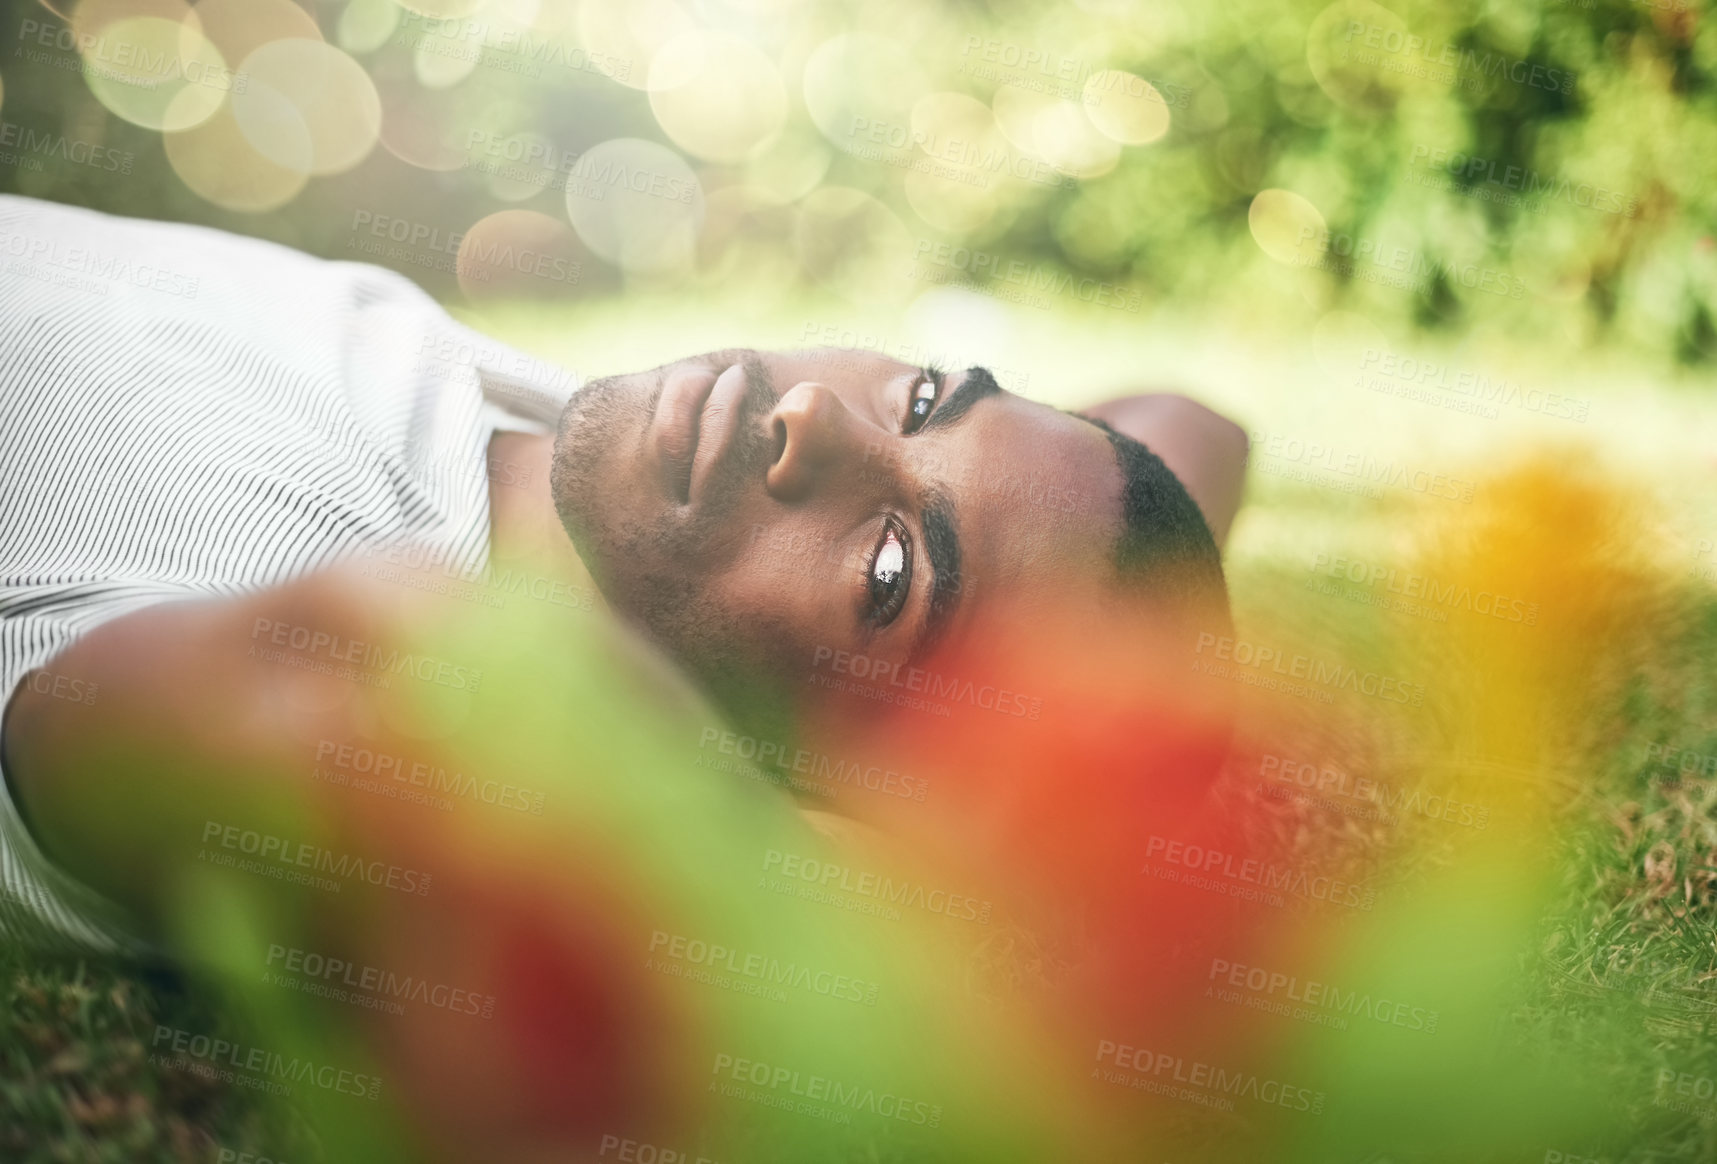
(587, 472)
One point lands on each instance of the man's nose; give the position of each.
(818, 442)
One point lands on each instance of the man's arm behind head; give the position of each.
(1206, 450)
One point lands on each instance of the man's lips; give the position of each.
(717, 427)
(696, 417)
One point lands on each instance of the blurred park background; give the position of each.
(1453, 223)
(1537, 170)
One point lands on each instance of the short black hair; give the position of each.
(1166, 548)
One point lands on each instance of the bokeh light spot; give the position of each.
(1287, 227)
(441, 62)
(218, 163)
(790, 168)
(636, 203)
(366, 25)
(520, 254)
(1125, 107)
(154, 72)
(717, 96)
(330, 93)
(628, 36)
(1357, 53)
(859, 91)
(1054, 130)
(239, 27)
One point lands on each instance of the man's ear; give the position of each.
(1206, 450)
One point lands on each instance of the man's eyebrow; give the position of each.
(977, 385)
(942, 544)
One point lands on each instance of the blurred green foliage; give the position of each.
(1540, 168)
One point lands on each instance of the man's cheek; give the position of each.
(795, 613)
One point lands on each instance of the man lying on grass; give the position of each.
(187, 478)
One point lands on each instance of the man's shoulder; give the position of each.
(21, 214)
(102, 251)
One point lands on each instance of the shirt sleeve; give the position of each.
(41, 905)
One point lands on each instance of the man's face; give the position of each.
(760, 514)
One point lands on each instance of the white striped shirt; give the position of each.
(186, 413)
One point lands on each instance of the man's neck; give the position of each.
(523, 523)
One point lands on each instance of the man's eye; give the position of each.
(888, 577)
(920, 403)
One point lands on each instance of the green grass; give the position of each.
(77, 1080)
(1626, 979)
